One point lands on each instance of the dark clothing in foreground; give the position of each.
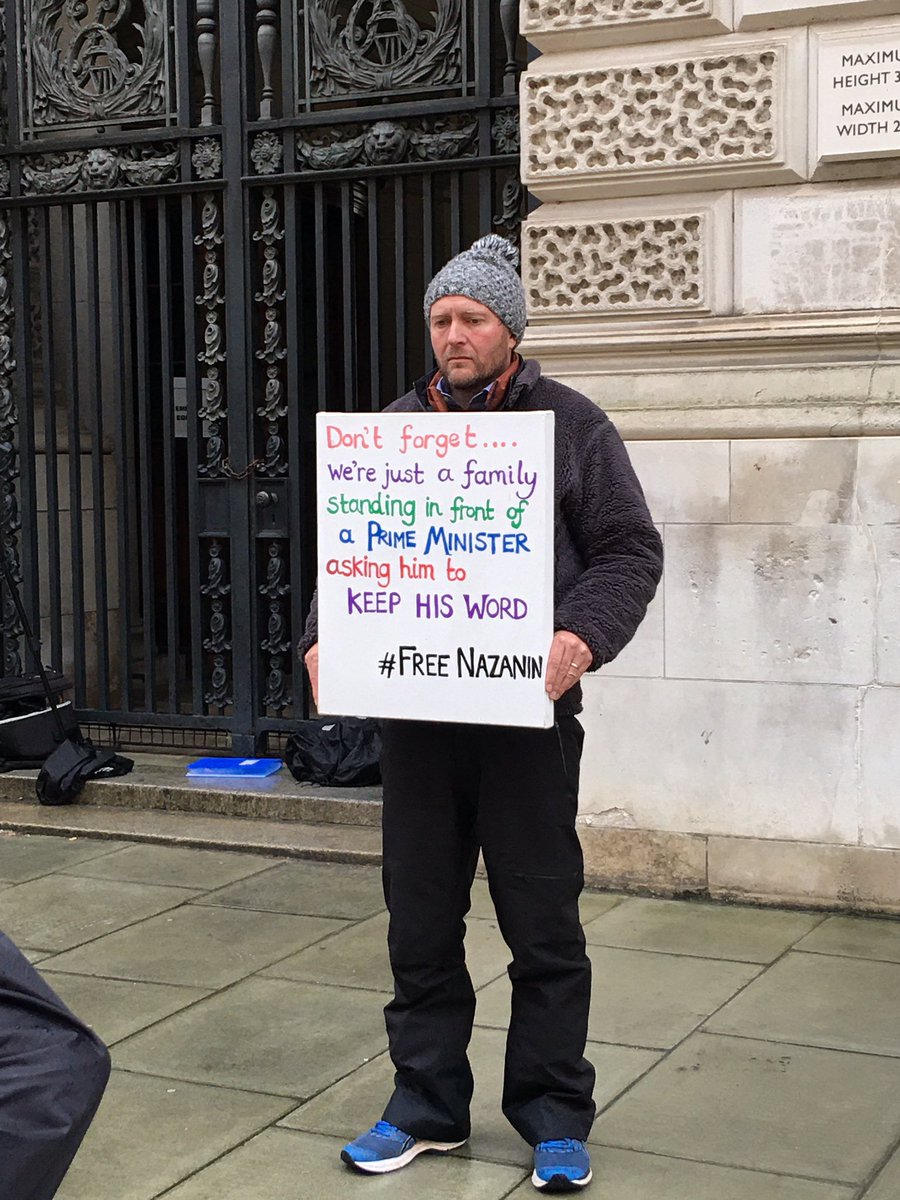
(53, 1071)
(448, 790)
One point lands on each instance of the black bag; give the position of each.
(71, 765)
(72, 759)
(28, 738)
(336, 752)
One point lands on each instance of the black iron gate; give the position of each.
(216, 218)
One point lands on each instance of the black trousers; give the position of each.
(53, 1071)
(448, 791)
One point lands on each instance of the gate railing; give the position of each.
(210, 230)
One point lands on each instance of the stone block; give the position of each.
(772, 603)
(624, 257)
(573, 24)
(878, 480)
(817, 248)
(799, 481)
(642, 859)
(804, 873)
(880, 766)
(684, 482)
(628, 122)
(767, 14)
(750, 760)
(886, 540)
(644, 656)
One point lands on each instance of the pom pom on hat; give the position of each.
(486, 272)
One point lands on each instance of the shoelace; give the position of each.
(561, 1146)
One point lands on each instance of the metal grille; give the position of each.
(235, 240)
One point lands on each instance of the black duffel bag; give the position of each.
(336, 752)
(29, 732)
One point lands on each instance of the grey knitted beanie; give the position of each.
(485, 272)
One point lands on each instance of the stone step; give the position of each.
(207, 831)
(159, 783)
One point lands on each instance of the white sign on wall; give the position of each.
(436, 566)
(858, 110)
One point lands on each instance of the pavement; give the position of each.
(741, 1053)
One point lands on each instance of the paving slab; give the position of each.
(310, 888)
(591, 904)
(57, 912)
(203, 869)
(357, 957)
(640, 998)
(117, 1008)
(816, 1000)
(27, 856)
(626, 1175)
(281, 1163)
(795, 1110)
(150, 1133)
(856, 937)
(355, 1102)
(705, 930)
(267, 1035)
(887, 1184)
(197, 947)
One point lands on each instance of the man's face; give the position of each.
(471, 344)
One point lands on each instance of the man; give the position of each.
(450, 790)
(53, 1072)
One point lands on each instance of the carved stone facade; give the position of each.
(100, 169)
(697, 116)
(618, 266)
(574, 24)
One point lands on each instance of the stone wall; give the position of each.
(716, 261)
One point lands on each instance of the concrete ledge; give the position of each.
(644, 860)
(810, 874)
(158, 782)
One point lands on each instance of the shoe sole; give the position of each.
(394, 1164)
(560, 1183)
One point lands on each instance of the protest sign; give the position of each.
(436, 566)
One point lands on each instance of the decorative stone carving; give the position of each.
(207, 158)
(508, 221)
(100, 169)
(388, 142)
(644, 256)
(709, 112)
(566, 14)
(91, 62)
(616, 266)
(267, 153)
(571, 24)
(378, 47)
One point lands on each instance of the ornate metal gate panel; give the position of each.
(215, 220)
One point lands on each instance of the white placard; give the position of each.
(436, 566)
(858, 110)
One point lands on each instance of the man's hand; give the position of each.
(569, 658)
(312, 666)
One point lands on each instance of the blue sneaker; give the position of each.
(561, 1166)
(386, 1148)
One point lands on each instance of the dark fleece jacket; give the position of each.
(607, 551)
